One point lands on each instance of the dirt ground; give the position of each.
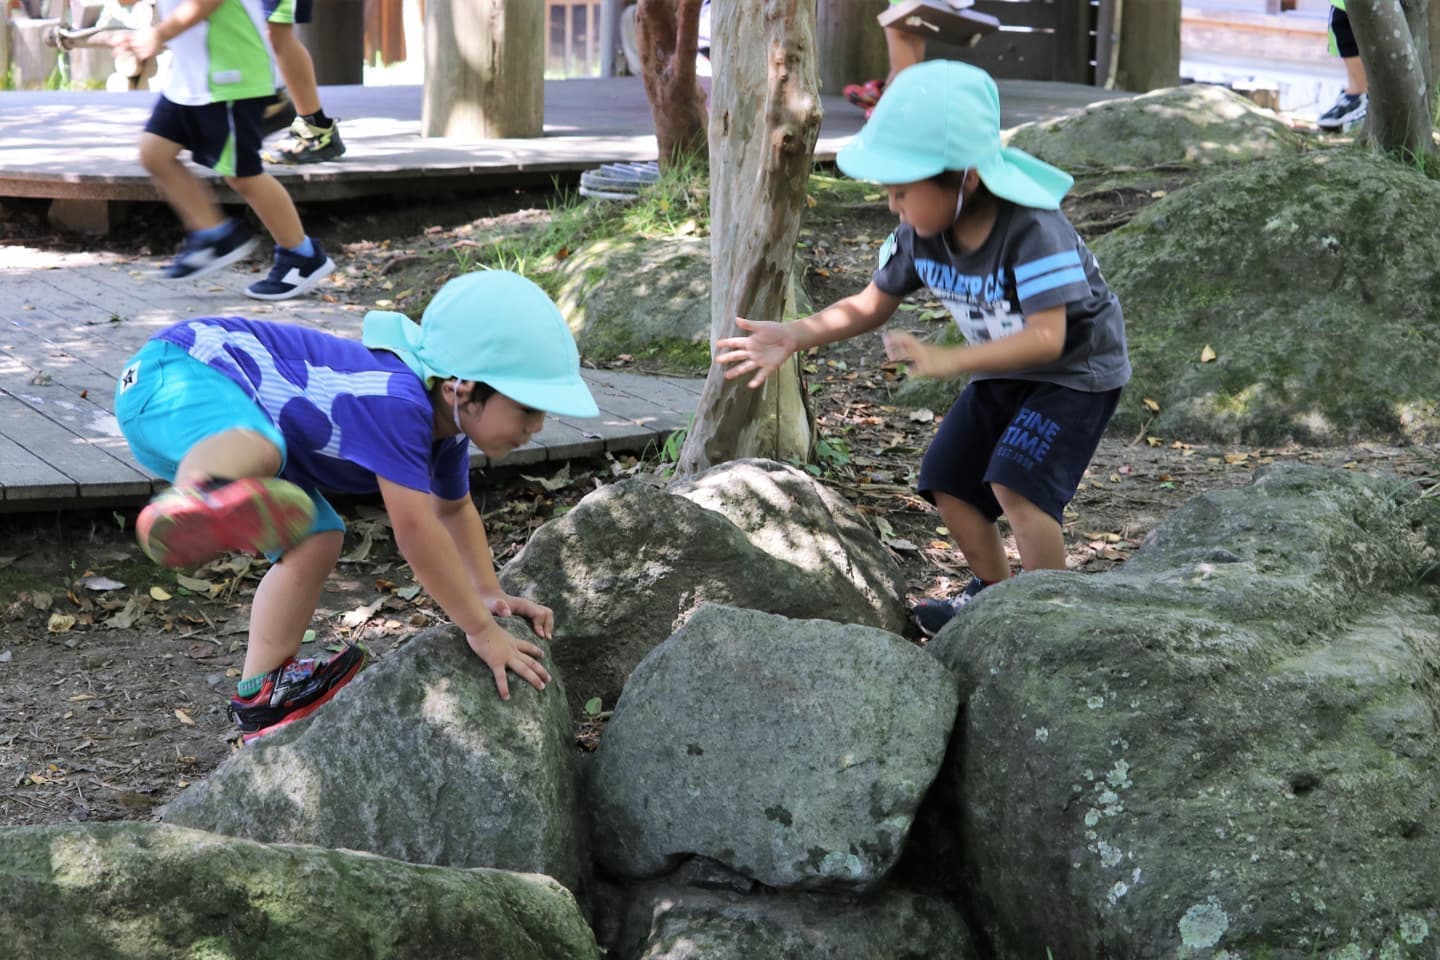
(115, 673)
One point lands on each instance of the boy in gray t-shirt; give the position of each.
(1045, 338)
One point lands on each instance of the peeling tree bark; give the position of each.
(1394, 41)
(764, 124)
(668, 33)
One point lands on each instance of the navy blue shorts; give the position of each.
(222, 136)
(1034, 438)
(287, 11)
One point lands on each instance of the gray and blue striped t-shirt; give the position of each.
(1032, 260)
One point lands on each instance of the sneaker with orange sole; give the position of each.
(185, 527)
(294, 690)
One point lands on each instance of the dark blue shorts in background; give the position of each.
(222, 136)
(1034, 438)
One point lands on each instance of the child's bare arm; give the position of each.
(427, 546)
(770, 344)
(1040, 342)
(147, 42)
(467, 529)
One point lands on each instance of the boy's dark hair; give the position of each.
(482, 392)
(955, 179)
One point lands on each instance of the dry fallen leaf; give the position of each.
(159, 593)
(1151, 405)
(922, 415)
(60, 622)
(184, 717)
(1207, 355)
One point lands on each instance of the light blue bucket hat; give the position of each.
(944, 115)
(496, 327)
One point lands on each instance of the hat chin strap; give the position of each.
(960, 199)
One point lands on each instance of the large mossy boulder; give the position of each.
(640, 296)
(1227, 748)
(146, 890)
(1311, 279)
(1196, 124)
(417, 759)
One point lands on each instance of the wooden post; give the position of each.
(1149, 46)
(484, 69)
(849, 43)
(609, 36)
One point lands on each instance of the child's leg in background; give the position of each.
(296, 67)
(272, 204)
(192, 200)
(904, 49)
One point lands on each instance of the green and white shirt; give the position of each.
(224, 58)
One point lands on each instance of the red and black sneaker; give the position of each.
(294, 690)
(187, 526)
(865, 94)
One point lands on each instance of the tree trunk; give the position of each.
(850, 45)
(1399, 118)
(764, 125)
(668, 34)
(484, 69)
(1149, 56)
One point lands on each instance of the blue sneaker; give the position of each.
(206, 256)
(292, 275)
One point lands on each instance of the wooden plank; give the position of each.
(24, 476)
(85, 462)
(566, 441)
(671, 394)
(91, 422)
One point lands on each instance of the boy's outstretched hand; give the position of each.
(768, 345)
(502, 652)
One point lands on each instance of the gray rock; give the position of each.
(1348, 349)
(167, 893)
(417, 759)
(792, 751)
(670, 923)
(622, 295)
(631, 561)
(1226, 748)
(792, 517)
(1192, 124)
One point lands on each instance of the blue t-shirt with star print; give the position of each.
(1032, 260)
(349, 414)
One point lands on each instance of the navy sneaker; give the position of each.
(1348, 111)
(292, 274)
(294, 690)
(931, 615)
(206, 256)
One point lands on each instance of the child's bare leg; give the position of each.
(1355, 79)
(229, 455)
(272, 204)
(296, 67)
(977, 536)
(286, 599)
(1038, 536)
(192, 200)
(905, 50)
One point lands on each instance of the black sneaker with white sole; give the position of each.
(292, 275)
(206, 256)
(931, 615)
(1348, 111)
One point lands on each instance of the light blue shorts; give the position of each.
(167, 401)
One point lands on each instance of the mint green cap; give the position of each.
(944, 115)
(496, 327)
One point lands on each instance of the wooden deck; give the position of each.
(68, 321)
